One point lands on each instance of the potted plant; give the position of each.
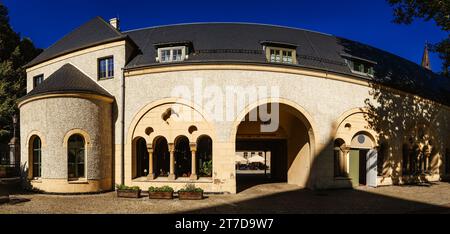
(128, 192)
(164, 192)
(190, 192)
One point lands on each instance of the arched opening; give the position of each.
(142, 158)
(36, 157)
(76, 157)
(280, 156)
(363, 160)
(161, 157)
(204, 156)
(182, 157)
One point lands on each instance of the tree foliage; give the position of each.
(14, 53)
(405, 11)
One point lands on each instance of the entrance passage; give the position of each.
(282, 156)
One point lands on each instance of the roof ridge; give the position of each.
(238, 23)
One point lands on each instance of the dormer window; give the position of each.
(280, 55)
(37, 80)
(172, 54)
(360, 66)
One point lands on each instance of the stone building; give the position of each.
(171, 105)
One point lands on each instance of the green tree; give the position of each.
(405, 11)
(14, 53)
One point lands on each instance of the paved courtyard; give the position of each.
(264, 198)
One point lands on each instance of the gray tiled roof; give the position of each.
(238, 42)
(92, 33)
(242, 43)
(68, 79)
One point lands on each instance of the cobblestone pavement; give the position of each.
(265, 198)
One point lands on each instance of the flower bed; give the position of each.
(190, 192)
(128, 192)
(165, 192)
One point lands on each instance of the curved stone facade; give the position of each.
(54, 120)
(325, 117)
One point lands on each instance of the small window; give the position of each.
(360, 67)
(281, 55)
(172, 54)
(37, 80)
(106, 68)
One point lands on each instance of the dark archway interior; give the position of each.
(182, 157)
(204, 156)
(283, 150)
(161, 157)
(142, 162)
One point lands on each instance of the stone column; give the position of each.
(194, 175)
(151, 173)
(172, 175)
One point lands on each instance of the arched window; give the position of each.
(204, 156)
(142, 159)
(340, 159)
(76, 157)
(161, 157)
(36, 151)
(182, 157)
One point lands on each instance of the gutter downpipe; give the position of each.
(122, 148)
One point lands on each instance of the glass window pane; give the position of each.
(110, 67)
(76, 157)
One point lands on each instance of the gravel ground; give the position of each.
(265, 199)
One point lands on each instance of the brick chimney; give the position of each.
(115, 23)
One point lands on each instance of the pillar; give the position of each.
(172, 175)
(194, 175)
(151, 173)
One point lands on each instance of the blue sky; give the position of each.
(367, 21)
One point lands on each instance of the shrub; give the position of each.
(191, 188)
(206, 168)
(123, 187)
(163, 189)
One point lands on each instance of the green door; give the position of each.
(354, 167)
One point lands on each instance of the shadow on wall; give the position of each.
(412, 129)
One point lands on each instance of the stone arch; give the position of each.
(167, 101)
(299, 157)
(350, 123)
